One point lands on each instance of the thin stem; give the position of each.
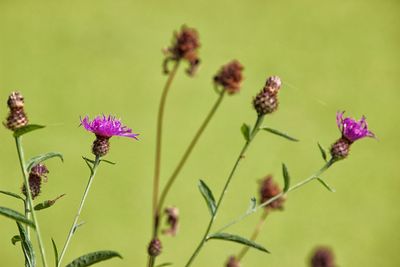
(28, 216)
(254, 236)
(185, 157)
(157, 166)
(228, 181)
(75, 223)
(296, 186)
(29, 199)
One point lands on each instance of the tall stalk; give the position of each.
(253, 134)
(75, 223)
(29, 199)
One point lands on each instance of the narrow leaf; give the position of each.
(286, 178)
(55, 251)
(322, 150)
(15, 215)
(107, 161)
(246, 131)
(11, 194)
(208, 196)
(253, 205)
(26, 129)
(38, 159)
(281, 134)
(48, 203)
(94, 257)
(164, 264)
(15, 239)
(326, 185)
(237, 239)
(89, 163)
(27, 248)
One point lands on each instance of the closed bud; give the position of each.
(266, 101)
(17, 117)
(155, 247)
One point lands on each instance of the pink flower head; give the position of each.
(352, 129)
(107, 127)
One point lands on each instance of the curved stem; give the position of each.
(160, 117)
(29, 199)
(254, 236)
(228, 181)
(185, 157)
(75, 223)
(296, 186)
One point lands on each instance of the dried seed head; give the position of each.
(155, 247)
(266, 101)
(37, 173)
(269, 189)
(323, 257)
(184, 46)
(232, 262)
(101, 146)
(230, 77)
(172, 221)
(17, 117)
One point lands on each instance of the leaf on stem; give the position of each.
(11, 194)
(286, 178)
(279, 133)
(38, 159)
(27, 248)
(323, 151)
(238, 239)
(253, 205)
(326, 185)
(55, 251)
(15, 239)
(164, 264)
(26, 129)
(48, 203)
(89, 163)
(107, 161)
(15, 215)
(208, 196)
(94, 257)
(245, 129)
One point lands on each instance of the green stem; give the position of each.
(228, 181)
(28, 216)
(185, 157)
(254, 236)
(266, 203)
(29, 199)
(75, 223)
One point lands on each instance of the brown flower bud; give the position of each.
(37, 173)
(155, 247)
(341, 148)
(266, 101)
(323, 257)
(232, 262)
(101, 146)
(269, 189)
(17, 117)
(230, 77)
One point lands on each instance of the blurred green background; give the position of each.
(72, 58)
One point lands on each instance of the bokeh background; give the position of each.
(72, 58)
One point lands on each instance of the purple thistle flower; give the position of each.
(107, 127)
(104, 128)
(352, 129)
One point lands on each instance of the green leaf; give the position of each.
(208, 196)
(237, 239)
(326, 185)
(26, 129)
(164, 264)
(48, 203)
(15, 215)
(27, 248)
(11, 194)
(246, 131)
(323, 152)
(88, 162)
(281, 134)
(15, 239)
(94, 257)
(38, 159)
(55, 251)
(286, 178)
(107, 161)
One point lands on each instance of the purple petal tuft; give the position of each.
(107, 127)
(352, 129)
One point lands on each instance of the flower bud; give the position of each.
(268, 190)
(266, 101)
(323, 257)
(101, 146)
(37, 173)
(17, 117)
(155, 247)
(230, 77)
(341, 148)
(232, 262)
